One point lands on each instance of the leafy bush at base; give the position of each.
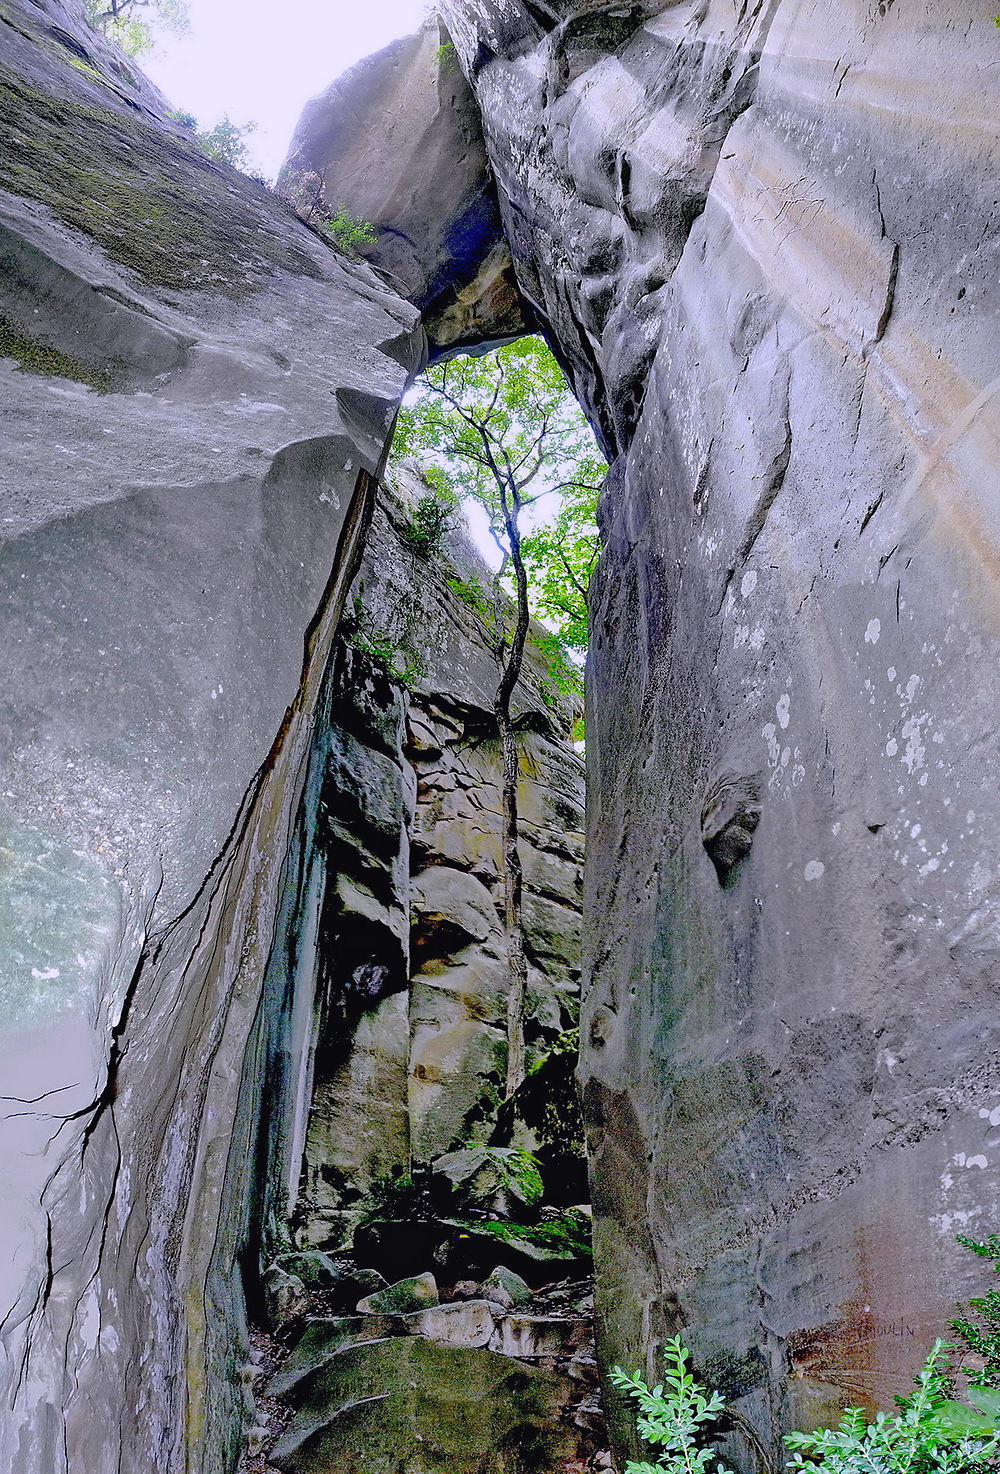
(930, 1434)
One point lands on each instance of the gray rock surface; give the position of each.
(764, 239)
(503, 1287)
(413, 1294)
(398, 144)
(195, 388)
(409, 1403)
(408, 946)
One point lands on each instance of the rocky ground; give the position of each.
(340, 1334)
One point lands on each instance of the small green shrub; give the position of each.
(349, 231)
(226, 142)
(674, 1416)
(978, 1324)
(447, 58)
(928, 1435)
(398, 659)
(430, 521)
(473, 593)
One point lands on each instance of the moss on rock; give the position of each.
(155, 203)
(36, 356)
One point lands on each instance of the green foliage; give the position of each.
(474, 594)
(978, 1324)
(565, 676)
(225, 142)
(484, 1170)
(560, 558)
(430, 521)
(349, 231)
(928, 1435)
(473, 422)
(510, 409)
(447, 58)
(675, 1415)
(566, 1233)
(393, 652)
(132, 24)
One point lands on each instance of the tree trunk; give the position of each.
(517, 962)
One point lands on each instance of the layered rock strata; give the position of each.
(763, 237)
(408, 949)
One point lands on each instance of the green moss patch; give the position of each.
(36, 356)
(154, 203)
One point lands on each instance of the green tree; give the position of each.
(227, 141)
(560, 557)
(132, 24)
(505, 429)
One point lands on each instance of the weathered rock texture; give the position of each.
(196, 388)
(468, 1384)
(397, 143)
(407, 948)
(764, 238)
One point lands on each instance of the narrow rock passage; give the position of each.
(431, 1311)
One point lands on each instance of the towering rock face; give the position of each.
(408, 950)
(196, 390)
(397, 144)
(764, 240)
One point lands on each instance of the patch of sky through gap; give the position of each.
(261, 62)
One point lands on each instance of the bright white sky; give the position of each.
(260, 61)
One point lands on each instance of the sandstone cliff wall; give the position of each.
(196, 389)
(763, 237)
(410, 1044)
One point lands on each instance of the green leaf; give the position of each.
(987, 1399)
(959, 1420)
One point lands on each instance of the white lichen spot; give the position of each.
(911, 687)
(44, 974)
(891, 747)
(814, 870)
(979, 1162)
(770, 736)
(782, 707)
(891, 673)
(913, 757)
(748, 583)
(915, 831)
(873, 631)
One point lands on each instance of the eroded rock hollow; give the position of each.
(762, 241)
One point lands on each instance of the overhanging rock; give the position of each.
(397, 143)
